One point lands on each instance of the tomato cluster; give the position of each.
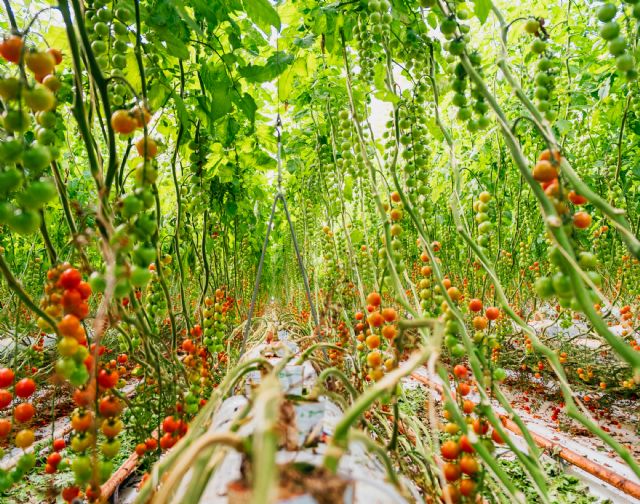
(616, 42)
(89, 426)
(547, 67)
(174, 429)
(23, 413)
(377, 334)
(215, 321)
(482, 218)
(196, 361)
(460, 465)
(27, 152)
(66, 300)
(547, 172)
(343, 341)
(108, 31)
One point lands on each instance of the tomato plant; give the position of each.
(455, 178)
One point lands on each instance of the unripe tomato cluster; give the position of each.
(330, 257)
(367, 47)
(215, 321)
(546, 67)
(481, 207)
(616, 43)
(26, 153)
(379, 16)
(412, 124)
(156, 303)
(196, 361)
(459, 85)
(346, 144)
(107, 27)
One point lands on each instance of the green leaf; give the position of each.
(220, 103)
(356, 237)
(175, 46)
(286, 82)
(304, 42)
(563, 126)
(186, 17)
(274, 66)
(218, 85)
(262, 13)
(156, 95)
(181, 110)
(231, 207)
(247, 104)
(225, 173)
(481, 9)
(293, 165)
(382, 90)
(228, 131)
(432, 19)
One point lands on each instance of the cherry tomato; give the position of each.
(170, 424)
(122, 122)
(450, 449)
(5, 427)
(374, 299)
(11, 48)
(25, 438)
(25, 388)
(24, 412)
(107, 379)
(40, 63)
(56, 54)
(6, 377)
(5, 398)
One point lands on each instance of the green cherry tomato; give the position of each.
(81, 467)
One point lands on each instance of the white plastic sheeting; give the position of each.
(315, 422)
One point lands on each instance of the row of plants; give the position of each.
(464, 165)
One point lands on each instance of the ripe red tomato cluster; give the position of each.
(173, 428)
(55, 457)
(23, 412)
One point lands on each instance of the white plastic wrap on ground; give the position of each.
(314, 420)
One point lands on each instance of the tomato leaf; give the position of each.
(247, 104)
(357, 236)
(175, 46)
(275, 65)
(186, 17)
(262, 13)
(481, 9)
